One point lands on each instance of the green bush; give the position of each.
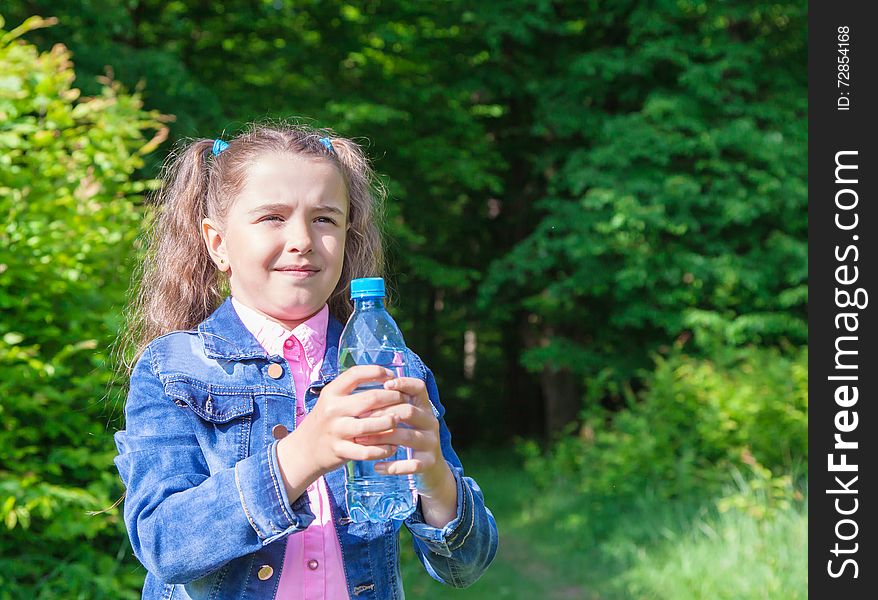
(70, 218)
(701, 473)
(695, 420)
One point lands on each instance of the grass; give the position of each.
(737, 556)
(555, 545)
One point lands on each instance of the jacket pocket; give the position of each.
(217, 404)
(223, 418)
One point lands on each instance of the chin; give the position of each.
(299, 311)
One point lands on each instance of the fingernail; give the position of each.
(389, 373)
(390, 385)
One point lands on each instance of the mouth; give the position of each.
(303, 271)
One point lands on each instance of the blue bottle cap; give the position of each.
(367, 287)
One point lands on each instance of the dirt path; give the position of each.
(517, 553)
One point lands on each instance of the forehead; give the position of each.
(291, 178)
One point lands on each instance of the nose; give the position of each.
(299, 237)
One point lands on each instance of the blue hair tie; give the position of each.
(218, 146)
(325, 141)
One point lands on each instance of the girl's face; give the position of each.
(283, 240)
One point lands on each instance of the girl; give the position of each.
(237, 422)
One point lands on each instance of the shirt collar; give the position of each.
(311, 333)
(224, 337)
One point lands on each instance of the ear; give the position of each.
(215, 242)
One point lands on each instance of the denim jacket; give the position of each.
(206, 509)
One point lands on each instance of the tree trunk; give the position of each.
(524, 405)
(561, 396)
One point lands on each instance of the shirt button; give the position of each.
(275, 371)
(289, 344)
(279, 432)
(313, 564)
(265, 572)
(300, 411)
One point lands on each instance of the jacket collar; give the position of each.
(225, 337)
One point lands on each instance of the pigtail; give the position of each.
(178, 286)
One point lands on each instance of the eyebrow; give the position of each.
(329, 208)
(281, 207)
(275, 207)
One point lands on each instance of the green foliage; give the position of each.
(733, 555)
(554, 546)
(605, 178)
(761, 495)
(675, 188)
(70, 219)
(705, 462)
(576, 185)
(694, 421)
(403, 78)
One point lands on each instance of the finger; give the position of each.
(369, 426)
(403, 410)
(352, 451)
(400, 467)
(410, 438)
(376, 439)
(359, 375)
(417, 416)
(365, 403)
(411, 386)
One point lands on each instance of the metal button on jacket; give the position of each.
(265, 572)
(275, 371)
(279, 432)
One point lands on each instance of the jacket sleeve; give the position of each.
(183, 521)
(460, 552)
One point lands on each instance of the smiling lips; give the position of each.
(303, 271)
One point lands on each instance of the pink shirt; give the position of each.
(313, 565)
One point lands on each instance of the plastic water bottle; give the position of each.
(371, 337)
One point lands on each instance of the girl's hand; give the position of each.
(326, 438)
(436, 484)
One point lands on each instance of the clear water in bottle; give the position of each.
(371, 337)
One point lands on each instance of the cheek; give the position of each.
(252, 246)
(334, 249)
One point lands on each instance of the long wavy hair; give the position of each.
(177, 285)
